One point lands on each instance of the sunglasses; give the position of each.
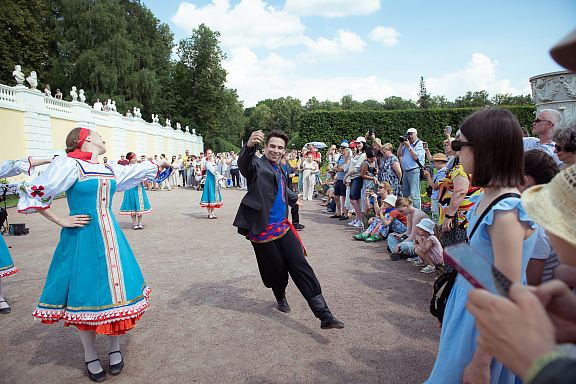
(381, 186)
(559, 148)
(540, 120)
(457, 145)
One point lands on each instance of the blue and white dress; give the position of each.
(94, 281)
(8, 169)
(458, 336)
(135, 202)
(211, 197)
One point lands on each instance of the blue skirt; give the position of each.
(135, 202)
(211, 197)
(7, 267)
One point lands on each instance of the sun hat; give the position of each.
(565, 52)
(390, 199)
(411, 130)
(345, 143)
(553, 205)
(361, 138)
(439, 157)
(427, 225)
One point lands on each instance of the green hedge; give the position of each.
(332, 127)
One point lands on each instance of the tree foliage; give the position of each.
(423, 96)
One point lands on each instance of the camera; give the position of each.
(403, 138)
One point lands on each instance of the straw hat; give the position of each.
(553, 205)
(390, 199)
(565, 52)
(439, 157)
(427, 225)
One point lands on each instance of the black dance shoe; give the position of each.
(283, 304)
(6, 310)
(321, 311)
(96, 377)
(116, 368)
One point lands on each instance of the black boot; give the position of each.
(282, 303)
(321, 311)
(296, 221)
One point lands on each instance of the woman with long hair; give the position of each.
(135, 202)
(355, 181)
(490, 148)
(309, 169)
(94, 282)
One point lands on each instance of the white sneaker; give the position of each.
(353, 222)
(413, 259)
(358, 224)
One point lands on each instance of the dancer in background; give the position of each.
(135, 202)
(8, 169)
(94, 282)
(211, 197)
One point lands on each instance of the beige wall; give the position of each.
(12, 139)
(151, 146)
(132, 142)
(60, 129)
(166, 150)
(177, 147)
(106, 133)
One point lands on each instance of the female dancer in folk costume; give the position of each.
(8, 169)
(135, 202)
(211, 197)
(94, 281)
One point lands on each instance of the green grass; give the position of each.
(10, 200)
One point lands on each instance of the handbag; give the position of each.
(444, 283)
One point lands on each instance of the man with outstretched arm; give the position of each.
(262, 219)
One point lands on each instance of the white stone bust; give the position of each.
(73, 93)
(187, 129)
(113, 105)
(18, 75)
(81, 96)
(168, 123)
(193, 131)
(32, 80)
(179, 126)
(156, 119)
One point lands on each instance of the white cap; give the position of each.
(427, 225)
(390, 199)
(411, 130)
(361, 138)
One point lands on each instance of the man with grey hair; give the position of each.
(542, 127)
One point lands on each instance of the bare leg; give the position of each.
(423, 256)
(357, 210)
(338, 205)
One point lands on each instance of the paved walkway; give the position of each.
(211, 320)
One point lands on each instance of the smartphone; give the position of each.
(371, 131)
(449, 129)
(425, 145)
(477, 269)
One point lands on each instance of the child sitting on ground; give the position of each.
(427, 247)
(389, 219)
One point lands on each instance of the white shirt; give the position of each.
(97, 106)
(534, 143)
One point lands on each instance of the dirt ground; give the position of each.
(211, 320)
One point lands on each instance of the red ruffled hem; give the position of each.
(110, 329)
(212, 205)
(8, 272)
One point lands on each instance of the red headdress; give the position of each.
(77, 153)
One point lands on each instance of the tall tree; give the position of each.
(286, 113)
(473, 100)
(348, 103)
(23, 39)
(396, 102)
(200, 78)
(423, 96)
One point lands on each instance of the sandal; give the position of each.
(140, 226)
(428, 269)
(419, 264)
(135, 227)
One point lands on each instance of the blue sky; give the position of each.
(373, 49)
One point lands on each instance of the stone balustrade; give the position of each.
(34, 125)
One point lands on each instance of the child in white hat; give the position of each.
(427, 246)
(390, 220)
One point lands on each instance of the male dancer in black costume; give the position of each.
(262, 219)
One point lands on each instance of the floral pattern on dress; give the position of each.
(387, 174)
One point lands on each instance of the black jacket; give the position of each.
(262, 180)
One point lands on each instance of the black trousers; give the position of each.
(295, 216)
(235, 175)
(285, 255)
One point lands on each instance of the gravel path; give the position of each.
(211, 320)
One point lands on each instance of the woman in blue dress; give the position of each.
(8, 169)
(211, 197)
(94, 282)
(491, 150)
(135, 202)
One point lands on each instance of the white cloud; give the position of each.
(329, 50)
(479, 74)
(385, 35)
(250, 23)
(332, 8)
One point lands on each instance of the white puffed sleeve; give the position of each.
(212, 169)
(129, 176)
(11, 168)
(60, 175)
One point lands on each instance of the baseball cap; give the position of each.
(353, 143)
(411, 130)
(361, 138)
(345, 144)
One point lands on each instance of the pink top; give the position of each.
(435, 251)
